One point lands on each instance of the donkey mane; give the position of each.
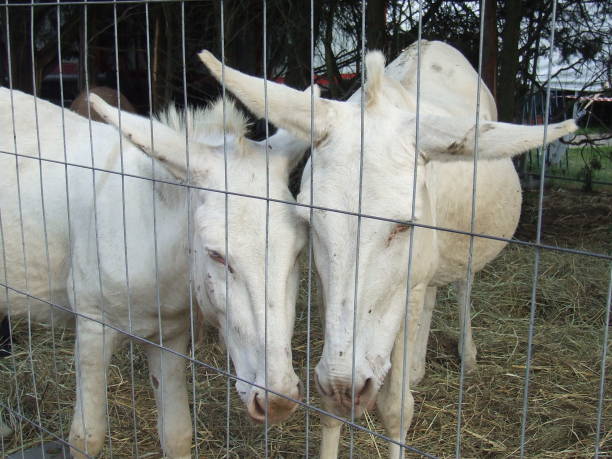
(203, 123)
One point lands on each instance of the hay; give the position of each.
(571, 298)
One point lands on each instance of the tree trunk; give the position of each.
(20, 48)
(244, 35)
(331, 66)
(298, 50)
(489, 52)
(155, 64)
(376, 23)
(509, 61)
(82, 56)
(170, 63)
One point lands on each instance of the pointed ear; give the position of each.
(450, 138)
(288, 108)
(168, 145)
(375, 71)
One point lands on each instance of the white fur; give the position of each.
(443, 197)
(102, 294)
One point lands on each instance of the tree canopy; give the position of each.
(142, 45)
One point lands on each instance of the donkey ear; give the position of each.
(375, 72)
(287, 108)
(152, 137)
(450, 138)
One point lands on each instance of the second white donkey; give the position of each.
(364, 168)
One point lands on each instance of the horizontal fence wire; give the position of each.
(409, 223)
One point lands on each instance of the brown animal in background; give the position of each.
(109, 95)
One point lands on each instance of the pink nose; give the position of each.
(341, 392)
(277, 408)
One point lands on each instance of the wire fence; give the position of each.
(143, 230)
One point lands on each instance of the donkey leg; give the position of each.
(396, 413)
(466, 346)
(417, 370)
(167, 375)
(330, 437)
(95, 344)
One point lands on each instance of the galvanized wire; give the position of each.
(9, 313)
(602, 376)
(309, 246)
(226, 235)
(359, 204)
(536, 264)
(466, 301)
(603, 256)
(267, 242)
(407, 304)
(190, 254)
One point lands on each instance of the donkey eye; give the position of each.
(216, 256)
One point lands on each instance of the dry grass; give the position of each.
(563, 391)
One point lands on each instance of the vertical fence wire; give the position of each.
(48, 263)
(153, 188)
(267, 231)
(161, 409)
(20, 411)
(63, 122)
(602, 376)
(96, 234)
(25, 253)
(309, 247)
(162, 382)
(536, 265)
(4, 427)
(190, 255)
(6, 278)
(465, 302)
(407, 304)
(228, 364)
(359, 205)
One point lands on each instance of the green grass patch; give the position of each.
(580, 166)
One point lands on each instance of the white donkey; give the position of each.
(83, 261)
(366, 367)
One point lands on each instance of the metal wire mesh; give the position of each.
(158, 350)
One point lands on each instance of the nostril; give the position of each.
(259, 408)
(365, 389)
